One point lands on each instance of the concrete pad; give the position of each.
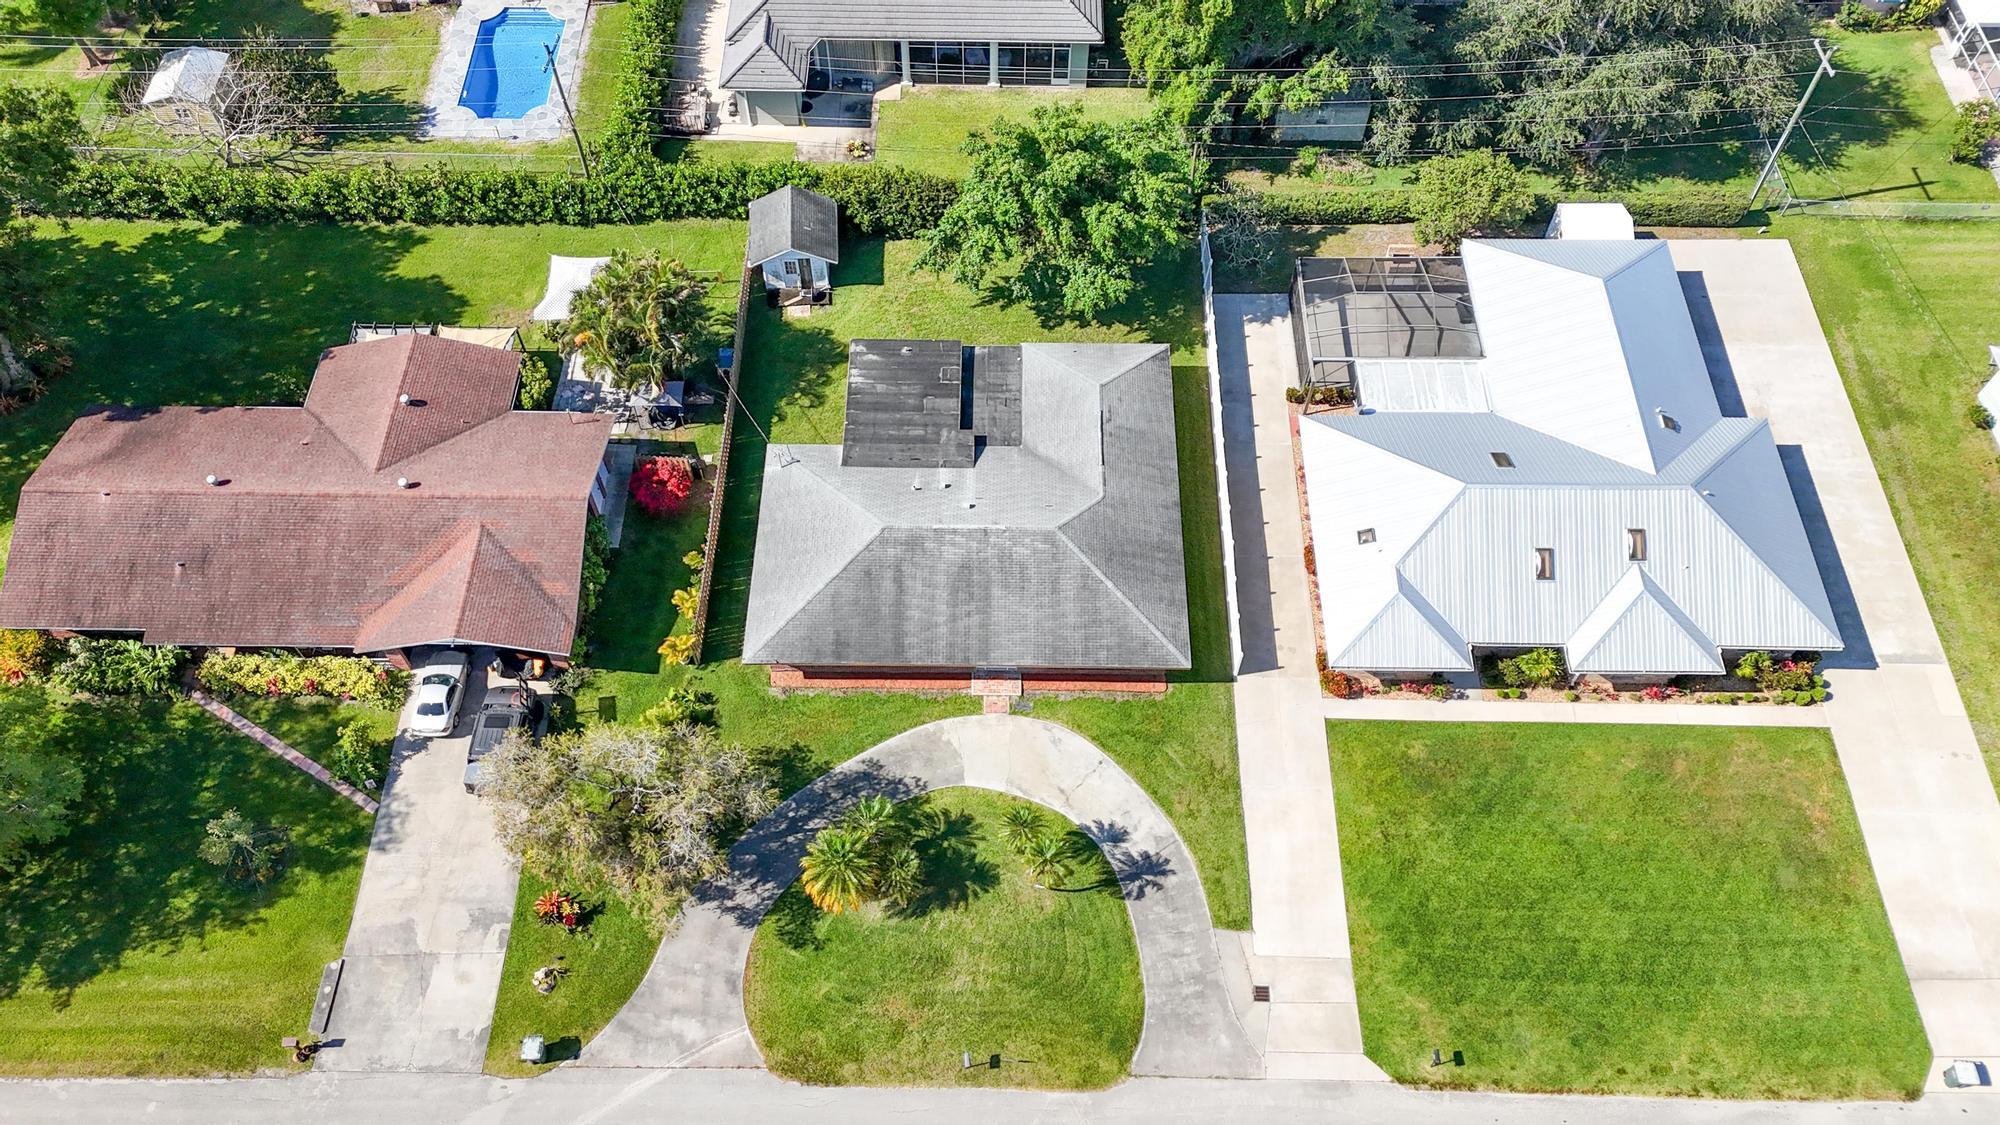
(1314, 1029)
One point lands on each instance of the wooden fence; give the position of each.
(752, 281)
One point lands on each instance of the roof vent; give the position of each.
(404, 398)
(1502, 460)
(402, 482)
(213, 479)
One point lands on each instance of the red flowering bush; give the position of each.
(1340, 685)
(559, 908)
(661, 485)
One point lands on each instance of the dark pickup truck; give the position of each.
(506, 709)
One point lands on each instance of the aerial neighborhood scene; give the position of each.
(1086, 560)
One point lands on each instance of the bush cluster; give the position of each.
(1975, 128)
(26, 654)
(288, 674)
(875, 199)
(538, 383)
(631, 130)
(122, 667)
(358, 758)
(1335, 207)
(1540, 667)
(660, 486)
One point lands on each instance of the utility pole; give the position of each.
(555, 77)
(1825, 69)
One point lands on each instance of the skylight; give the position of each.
(1502, 460)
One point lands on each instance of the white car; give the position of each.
(440, 687)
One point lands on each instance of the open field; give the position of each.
(1632, 910)
(984, 961)
(926, 128)
(125, 954)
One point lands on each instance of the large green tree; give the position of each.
(39, 132)
(1578, 77)
(641, 320)
(1214, 61)
(39, 777)
(1080, 205)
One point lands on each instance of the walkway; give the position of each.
(688, 1012)
(1921, 791)
(1530, 711)
(277, 746)
(430, 921)
(1298, 908)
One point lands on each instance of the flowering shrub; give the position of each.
(285, 674)
(559, 908)
(678, 649)
(25, 654)
(661, 485)
(1340, 685)
(1658, 694)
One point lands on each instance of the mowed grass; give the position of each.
(1908, 316)
(987, 963)
(1180, 747)
(927, 126)
(605, 962)
(125, 954)
(1616, 909)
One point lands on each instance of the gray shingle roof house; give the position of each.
(823, 54)
(795, 237)
(990, 507)
(1565, 479)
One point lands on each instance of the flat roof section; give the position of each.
(1386, 308)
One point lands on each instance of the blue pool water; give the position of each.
(509, 71)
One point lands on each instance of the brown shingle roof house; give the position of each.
(406, 503)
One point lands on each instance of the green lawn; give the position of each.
(606, 961)
(180, 313)
(1614, 909)
(1878, 129)
(122, 952)
(312, 726)
(1908, 309)
(926, 127)
(987, 963)
(1182, 747)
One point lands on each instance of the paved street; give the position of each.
(583, 1096)
(1921, 791)
(688, 1012)
(430, 922)
(1298, 907)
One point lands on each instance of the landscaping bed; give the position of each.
(984, 961)
(1618, 910)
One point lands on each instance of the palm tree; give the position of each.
(902, 877)
(1019, 827)
(1047, 857)
(640, 320)
(870, 816)
(837, 871)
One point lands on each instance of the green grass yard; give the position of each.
(1047, 979)
(1616, 909)
(1908, 311)
(927, 126)
(312, 726)
(124, 954)
(605, 962)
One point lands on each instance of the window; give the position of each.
(1669, 422)
(1635, 539)
(1545, 564)
(791, 267)
(1502, 460)
(1365, 536)
(1034, 64)
(950, 64)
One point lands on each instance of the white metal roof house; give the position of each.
(1010, 510)
(820, 62)
(1539, 460)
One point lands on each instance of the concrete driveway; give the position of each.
(431, 920)
(1921, 792)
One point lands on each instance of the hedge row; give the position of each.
(875, 199)
(630, 134)
(1692, 208)
(279, 673)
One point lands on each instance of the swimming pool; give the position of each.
(508, 74)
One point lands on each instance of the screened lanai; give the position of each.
(1346, 310)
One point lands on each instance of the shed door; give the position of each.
(806, 273)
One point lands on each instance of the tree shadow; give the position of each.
(796, 920)
(205, 316)
(124, 877)
(954, 872)
(860, 263)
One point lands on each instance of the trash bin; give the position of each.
(531, 1049)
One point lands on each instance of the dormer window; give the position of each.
(1545, 564)
(1365, 536)
(1635, 544)
(1501, 460)
(1669, 422)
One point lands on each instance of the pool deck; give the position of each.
(445, 119)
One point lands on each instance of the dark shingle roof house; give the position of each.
(406, 503)
(990, 508)
(793, 220)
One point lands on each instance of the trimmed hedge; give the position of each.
(875, 199)
(1692, 208)
(280, 673)
(631, 133)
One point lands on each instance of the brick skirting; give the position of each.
(787, 677)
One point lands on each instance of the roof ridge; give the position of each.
(751, 644)
(1127, 602)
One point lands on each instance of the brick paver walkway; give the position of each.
(277, 746)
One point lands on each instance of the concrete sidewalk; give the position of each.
(431, 920)
(1298, 908)
(1921, 791)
